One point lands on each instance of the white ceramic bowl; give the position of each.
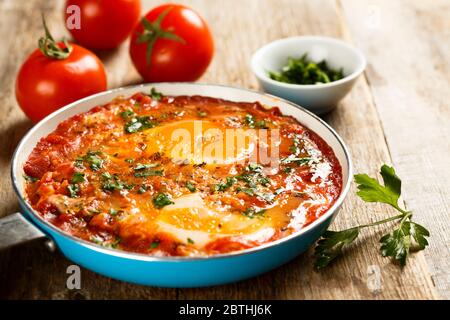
(319, 98)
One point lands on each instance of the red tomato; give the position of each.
(174, 44)
(104, 24)
(46, 83)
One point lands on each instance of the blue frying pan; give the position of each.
(169, 271)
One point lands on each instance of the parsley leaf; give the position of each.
(296, 160)
(371, 191)
(252, 213)
(248, 191)
(253, 167)
(418, 233)
(141, 166)
(78, 177)
(190, 186)
(149, 173)
(30, 178)
(127, 114)
(161, 200)
(296, 147)
(154, 245)
(139, 123)
(250, 121)
(142, 189)
(73, 190)
(225, 186)
(114, 212)
(112, 183)
(397, 244)
(331, 244)
(155, 95)
(94, 160)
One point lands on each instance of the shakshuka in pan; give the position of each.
(181, 176)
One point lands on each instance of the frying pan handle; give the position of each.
(15, 229)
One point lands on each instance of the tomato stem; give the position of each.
(152, 31)
(50, 48)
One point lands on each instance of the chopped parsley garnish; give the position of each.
(139, 123)
(304, 71)
(202, 114)
(190, 186)
(115, 212)
(299, 161)
(154, 245)
(127, 114)
(287, 170)
(161, 200)
(253, 167)
(252, 213)
(73, 189)
(130, 160)
(79, 162)
(253, 176)
(141, 166)
(97, 239)
(264, 181)
(225, 185)
(248, 191)
(190, 241)
(155, 95)
(100, 241)
(267, 197)
(93, 211)
(261, 124)
(112, 183)
(78, 177)
(116, 242)
(248, 178)
(30, 178)
(250, 121)
(296, 146)
(106, 175)
(149, 173)
(397, 244)
(94, 160)
(142, 189)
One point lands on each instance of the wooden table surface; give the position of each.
(397, 113)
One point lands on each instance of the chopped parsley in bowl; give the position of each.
(304, 71)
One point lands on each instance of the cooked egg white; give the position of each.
(189, 217)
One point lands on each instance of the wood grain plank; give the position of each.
(408, 49)
(239, 27)
(31, 271)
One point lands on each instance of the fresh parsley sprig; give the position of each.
(397, 244)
